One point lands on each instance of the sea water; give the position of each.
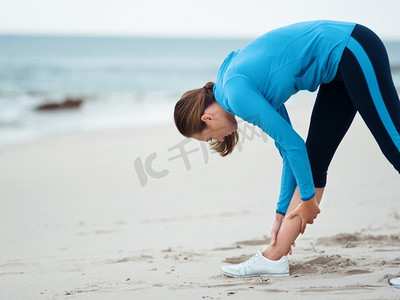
(124, 81)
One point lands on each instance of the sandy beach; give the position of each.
(120, 214)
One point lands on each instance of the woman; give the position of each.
(348, 63)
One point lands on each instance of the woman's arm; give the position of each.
(288, 181)
(250, 105)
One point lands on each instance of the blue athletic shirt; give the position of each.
(254, 83)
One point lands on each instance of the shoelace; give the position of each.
(251, 259)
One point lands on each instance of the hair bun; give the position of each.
(209, 86)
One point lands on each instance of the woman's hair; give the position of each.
(188, 112)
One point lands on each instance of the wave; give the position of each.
(20, 121)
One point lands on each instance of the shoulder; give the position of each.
(237, 83)
(237, 88)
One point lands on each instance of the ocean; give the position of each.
(123, 81)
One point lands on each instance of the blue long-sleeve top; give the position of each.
(254, 83)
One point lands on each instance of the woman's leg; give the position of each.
(366, 74)
(332, 116)
(290, 229)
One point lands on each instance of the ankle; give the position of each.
(271, 255)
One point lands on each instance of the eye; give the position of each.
(209, 140)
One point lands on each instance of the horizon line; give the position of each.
(125, 35)
(144, 36)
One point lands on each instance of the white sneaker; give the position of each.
(395, 282)
(258, 265)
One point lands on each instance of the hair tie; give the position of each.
(208, 86)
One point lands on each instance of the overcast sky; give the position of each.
(216, 18)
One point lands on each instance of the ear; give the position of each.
(207, 117)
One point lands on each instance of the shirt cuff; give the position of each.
(279, 212)
(308, 198)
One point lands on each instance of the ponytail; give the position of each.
(188, 112)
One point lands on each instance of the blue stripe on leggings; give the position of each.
(373, 87)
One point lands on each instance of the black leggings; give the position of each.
(364, 84)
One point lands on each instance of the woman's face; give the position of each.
(219, 122)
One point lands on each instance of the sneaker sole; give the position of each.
(256, 275)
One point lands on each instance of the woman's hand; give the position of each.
(275, 229)
(307, 211)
